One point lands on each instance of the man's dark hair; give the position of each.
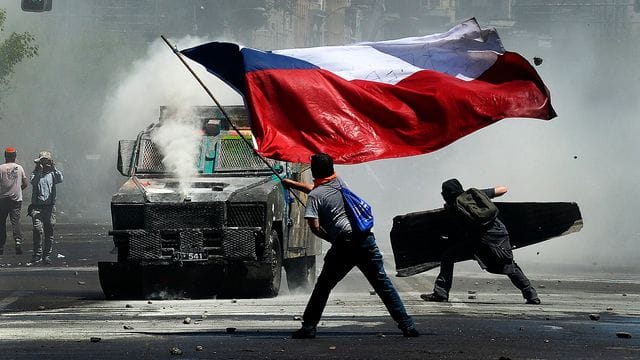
(321, 165)
(451, 189)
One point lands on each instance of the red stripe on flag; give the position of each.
(296, 113)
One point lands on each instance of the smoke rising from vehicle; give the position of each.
(160, 79)
(178, 139)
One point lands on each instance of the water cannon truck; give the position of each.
(227, 231)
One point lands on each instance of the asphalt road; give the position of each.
(59, 312)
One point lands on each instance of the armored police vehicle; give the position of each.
(227, 233)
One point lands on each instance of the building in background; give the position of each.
(273, 24)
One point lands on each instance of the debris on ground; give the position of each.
(231, 330)
(128, 306)
(187, 320)
(199, 348)
(537, 61)
(127, 327)
(95, 339)
(175, 351)
(81, 282)
(594, 317)
(623, 335)
(297, 318)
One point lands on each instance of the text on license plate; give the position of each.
(190, 256)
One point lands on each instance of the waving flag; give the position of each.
(378, 100)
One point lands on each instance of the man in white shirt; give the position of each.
(12, 181)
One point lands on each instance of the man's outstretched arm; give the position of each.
(296, 185)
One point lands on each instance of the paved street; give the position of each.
(55, 311)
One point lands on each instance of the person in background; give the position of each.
(12, 181)
(44, 179)
(489, 245)
(326, 216)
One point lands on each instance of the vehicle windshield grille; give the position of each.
(150, 158)
(235, 154)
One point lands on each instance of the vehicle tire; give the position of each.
(273, 255)
(301, 273)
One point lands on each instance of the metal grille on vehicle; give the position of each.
(240, 243)
(144, 245)
(184, 215)
(235, 154)
(156, 245)
(242, 215)
(151, 160)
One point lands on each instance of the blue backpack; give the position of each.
(358, 210)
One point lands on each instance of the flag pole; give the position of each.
(224, 113)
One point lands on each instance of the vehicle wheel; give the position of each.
(301, 272)
(273, 255)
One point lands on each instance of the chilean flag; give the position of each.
(378, 100)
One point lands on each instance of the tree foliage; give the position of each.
(13, 49)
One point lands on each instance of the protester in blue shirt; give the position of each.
(44, 179)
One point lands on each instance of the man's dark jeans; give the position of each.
(12, 209)
(360, 251)
(44, 220)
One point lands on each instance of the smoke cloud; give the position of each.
(178, 139)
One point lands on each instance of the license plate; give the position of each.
(190, 256)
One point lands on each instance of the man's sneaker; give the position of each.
(304, 333)
(433, 297)
(46, 260)
(535, 301)
(410, 332)
(18, 249)
(36, 260)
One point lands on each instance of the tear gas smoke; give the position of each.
(178, 139)
(160, 79)
(157, 79)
